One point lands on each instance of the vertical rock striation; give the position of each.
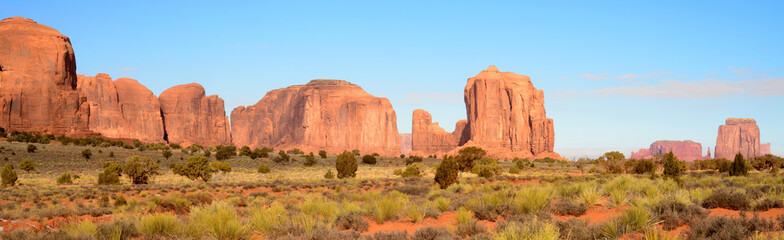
(190, 116)
(738, 135)
(122, 108)
(331, 115)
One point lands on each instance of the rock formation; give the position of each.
(405, 143)
(764, 149)
(331, 115)
(738, 135)
(190, 116)
(684, 150)
(429, 138)
(122, 108)
(506, 115)
(38, 80)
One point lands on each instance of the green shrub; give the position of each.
(352, 222)
(346, 165)
(260, 153)
(566, 207)
(8, 175)
(355, 152)
(441, 203)
(532, 199)
(446, 173)
(329, 174)
(295, 151)
(27, 165)
(31, 148)
(388, 207)
(413, 170)
(111, 174)
(673, 213)
(282, 157)
(532, 229)
(269, 220)
(310, 160)
(323, 153)
(738, 167)
(221, 166)
(65, 179)
(87, 153)
(160, 225)
(245, 151)
(120, 201)
(166, 153)
(514, 170)
(467, 156)
(415, 213)
(612, 162)
(487, 168)
(197, 167)
(635, 219)
(85, 229)
(175, 146)
(413, 159)
(225, 152)
(140, 169)
(263, 168)
(217, 221)
(730, 198)
(369, 159)
(640, 166)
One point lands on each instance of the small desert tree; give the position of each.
(346, 165)
(245, 151)
(110, 175)
(612, 162)
(672, 166)
(323, 154)
(27, 165)
(87, 153)
(197, 167)
(225, 152)
(446, 173)
(8, 175)
(140, 169)
(738, 167)
(310, 160)
(467, 157)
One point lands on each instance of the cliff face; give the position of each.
(38, 80)
(429, 138)
(331, 115)
(506, 112)
(122, 108)
(684, 150)
(192, 117)
(738, 135)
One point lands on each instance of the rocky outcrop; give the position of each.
(506, 114)
(190, 116)
(38, 80)
(764, 149)
(122, 108)
(685, 150)
(331, 115)
(429, 138)
(738, 135)
(405, 143)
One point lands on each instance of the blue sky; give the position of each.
(616, 75)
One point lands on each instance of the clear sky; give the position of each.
(616, 75)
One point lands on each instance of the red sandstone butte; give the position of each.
(122, 108)
(738, 135)
(191, 117)
(429, 138)
(506, 115)
(330, 115)
(38, 80)
(685, 150)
